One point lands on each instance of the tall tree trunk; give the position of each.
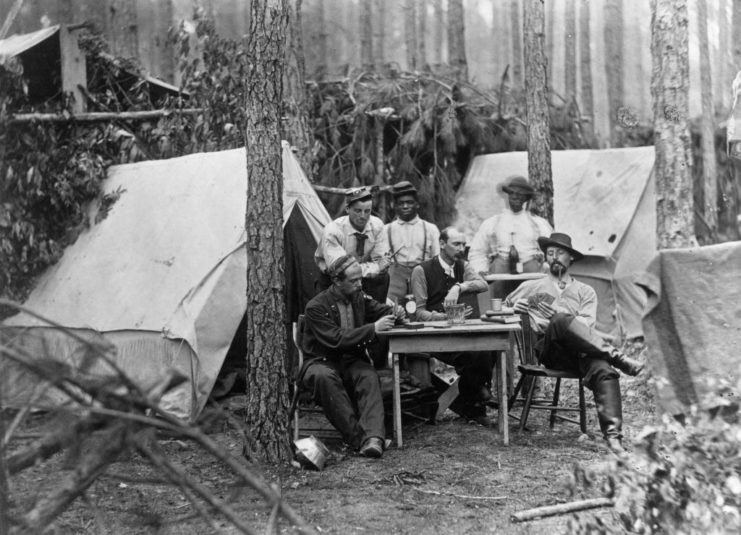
(4, 501)
(516, 32)
(707, 124)
(736, 36)
(614, 63)
(321, 29)
(585, 61)
(438, 33)
(380, 33)
(410, 34)
(457, 40)
(267, 374)
(366, 36)
(550, 15)
(122, 28)
(298, 131)
(675, 219)
(538, 118)
(421, 12)
(570, 49)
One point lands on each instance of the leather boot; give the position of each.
(610, 412)
(587, 341)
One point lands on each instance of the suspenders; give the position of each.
(424, 240)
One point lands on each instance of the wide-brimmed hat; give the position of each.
(403, 188)
(559, 239)
(518, 184)
(358, 194)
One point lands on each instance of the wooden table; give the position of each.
(438, 337)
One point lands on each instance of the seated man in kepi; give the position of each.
(436, 283)
(567, 340)
(341, 323)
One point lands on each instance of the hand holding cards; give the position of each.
(534, 300)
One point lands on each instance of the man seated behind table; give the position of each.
(341, 323)
(360, 235)
(436, 283)
(567, 340)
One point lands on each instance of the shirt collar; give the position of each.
(413, 221)
(447, 268)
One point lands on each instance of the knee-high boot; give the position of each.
(609, 404)
(585, 340)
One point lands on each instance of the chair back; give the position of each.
(528, 354)
(298, 338)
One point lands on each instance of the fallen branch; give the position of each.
(99, 116)
(462, 496)
(561, 509)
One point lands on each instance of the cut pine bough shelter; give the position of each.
(163, 275)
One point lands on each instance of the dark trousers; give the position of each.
(474, 369)
(350, 396)
(571, 345)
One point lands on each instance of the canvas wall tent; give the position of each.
(163, 276)
(604, 199)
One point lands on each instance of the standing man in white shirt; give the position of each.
(508, 242)
(412, 240)
(360, 235)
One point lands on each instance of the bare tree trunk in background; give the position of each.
(296, 111)
(410, 34)
(122, 28)
(736, 36)
(4, 506)
(321, 29)
(438, 33)
(570, 49)
(614, 62)
(457, 40)
(421, 12)
(267, 374)
(675, 220)
(585, 60)
(380, 33)
(366, 36)
(707, 125)
(538, 118)
(516, 32)
(722, 78)
(549, 44)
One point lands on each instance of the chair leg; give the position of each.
(556, 399)
(516, 393)
(582, 408)
(526, 408)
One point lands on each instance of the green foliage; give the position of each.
(686, 478)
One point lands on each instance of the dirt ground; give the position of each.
(449, 478)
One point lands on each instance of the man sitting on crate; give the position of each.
(340, 324)
(563, 311)
(436, 283)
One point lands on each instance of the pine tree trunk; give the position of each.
(669, 82)
(298, 131)
(321, 29)
(122, 28)
(366, 36)
(550, 15)
(438, 31)
(570, 49)
(614, 63)
(516, 40)
(421, 12)
(736, 36)
(410, 34)
(707, 124)
(457, 40)
(585, 60)
(538, 118)
(380, 33)
(267, 375)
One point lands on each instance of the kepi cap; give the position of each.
(403, 188)
(518, 184)
(559, 239)
(358, 194)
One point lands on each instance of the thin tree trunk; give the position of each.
(585, 59)
(457, 40)
(298, 132)
(380, 33)
(4, 525)
(516, 32)
(438, 31)
(736, 36)
(570, 49)
(669, 83)
(707, 124)
(410, 34)
(614, 62)
(421, 13)
(366, 36)
(267, 374)
(122, 28)
(538, 119)
(321, 29)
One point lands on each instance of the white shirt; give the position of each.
(338, 239)
(416, 241)
(499, 232)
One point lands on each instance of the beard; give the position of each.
(557, 268)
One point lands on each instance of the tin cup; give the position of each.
(496, 305)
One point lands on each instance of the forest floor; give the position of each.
(449, 478)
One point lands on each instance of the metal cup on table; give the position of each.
(496, 305)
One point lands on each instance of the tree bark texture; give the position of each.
(366, 36)
(4, 524)
(538, 118)
(614, 63)
(673, 164)
(585, 61)
(267, 375)
(123, 29)
(457, 40)
(410, 34)
(570, 50)
(516, 40)
(707, 124)
(421, 13)
(438, 33)
(295, 99)
(379, 27)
